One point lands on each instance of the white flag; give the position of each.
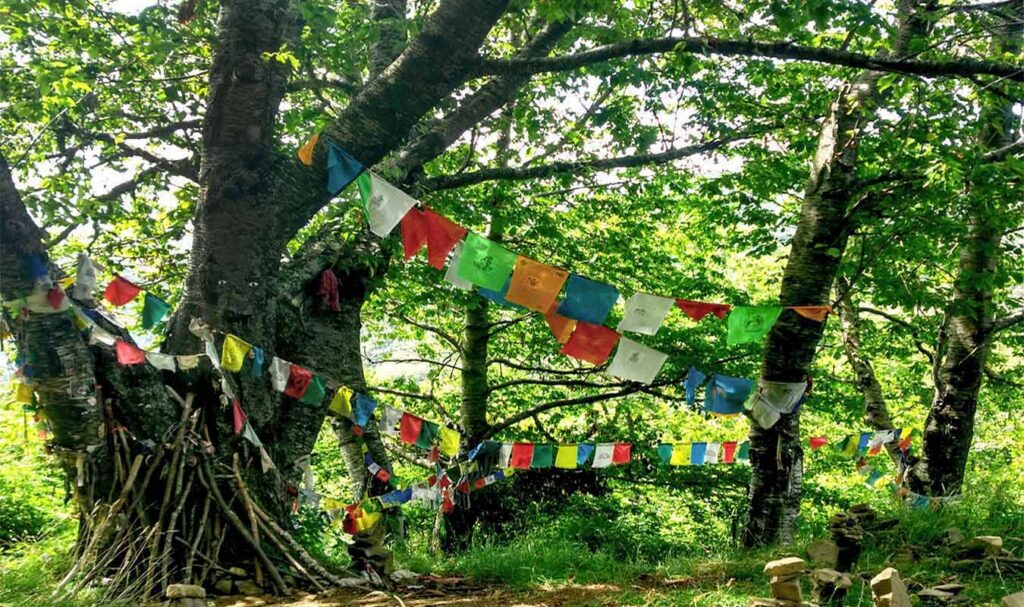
(636, 362)
(603, 455)
(451, 276)
(280, 369)
(164, 362)
(392, 417)
(85, 278)
(711, 453)
(645, 313)
(504, 455)
(187, 361)
(385, 204)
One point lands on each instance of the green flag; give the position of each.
(428, 433)
(484, 263)
(315, 393)
(543, 456)
(751, 323)
(744, 453)
(153, 311)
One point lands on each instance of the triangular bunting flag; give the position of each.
(342, 169)
(817, 313)
(120, 291)
(305, 153)
(414, 232)
(384, 204)
(128, 354)
(699, 309)
(153, 310)
(442, 236)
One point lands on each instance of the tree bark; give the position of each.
(776, 453)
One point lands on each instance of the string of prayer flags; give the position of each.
(451, 275)
(773, 399)
(129, 354)
(561, 326)
(384, 204)
(645, 313)
(609, 454)
(750, 323)
(414, 232)
(484, 263)
(816, 313)
(342, 169)
(699, 309)
(305, 153)
(725, 395)
(636, 362)
(590, 342)
(121, 291)
(153, 310)
(535, 285)
(587, 300)
(233, 353)
(442, 236)
(703, 453)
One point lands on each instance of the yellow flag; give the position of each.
(368, 521)
(341, 404)
(306, 151)
(24, 394)
(233, 353)
(680, 454)
(566, 456)
(449, 441)
(67, 282)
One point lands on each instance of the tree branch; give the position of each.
(750, 48)
(1006, 322)
(568, 383)
(918, 342)
(568, 402)
(448, 337)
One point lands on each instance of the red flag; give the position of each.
(383, 475)
(55, 296)
(298, 381)
(238, 416)
(905, 443)
(817, 442)
(592, 343)
(442, 236)
(480, 483)
(620, 453)
(463, 487)
(522, 456)
(414, 232)
(699, 309)
(128, 354)
(120, 291)
(409, 429)
(728, 452)
(328, 290)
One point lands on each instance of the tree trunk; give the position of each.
(776, 454)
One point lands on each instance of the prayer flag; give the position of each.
(711, 453)
(774, 399)
(665, 453)
(864, 441)
(848, 446)
(164, 362)
(587, 300)
(592, 343)
(384, 204)
(699, 309)
(484, 263)
(636, 362)
(409, 428)
(697, 451)
(428, 432)
(128, 354)
(681, 454)
(153, 310)
(498, 297)
(363, 410)
(566, 457)
(817, 442)
(621, 453)
(392, 419)
(451, 276)
(505, 455)
(534, 285)
(449, 441)
(280, 369)
(305, 153)
(257, 361)
(233, 353)
(442, 236)
(85, 278)
(299, 379)
(743, 455)
(342, 169)
(120, 291)
(522, 456)
(750, 323)
(818, 313)
(603, 455)
(645, 313)
(341, 402)
(583, 451)
(238, 416)
(55, 297)
(728, 452)
(315, 393)
(414, 232)
(561, 326)
(725, 395)
(23, 395)
(187, 361)
(693, 379)
(543, 456)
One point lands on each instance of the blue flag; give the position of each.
(583, 451)
(257, 361)
(399, 496)
(697, 451)
(363, 410)
(725, 395)
(498, 297)
(694, 378)
(342, 169)
(587, 300)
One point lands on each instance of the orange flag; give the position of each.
(535, 285)
(442, 236)
(306, 151)
(818, 313)
(561, 326)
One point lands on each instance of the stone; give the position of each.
(992, 545)
(824, 552)
(190, 602)
(1014, 600)
(904, 556)
(953, 536)
(238, 572)
(185, 591)
(829, 586)
(785, 567)
(403, 575)
(933, 596)
(248, 587)
(787, 589)
(223, 586)
(888, 590)
(951, 588)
